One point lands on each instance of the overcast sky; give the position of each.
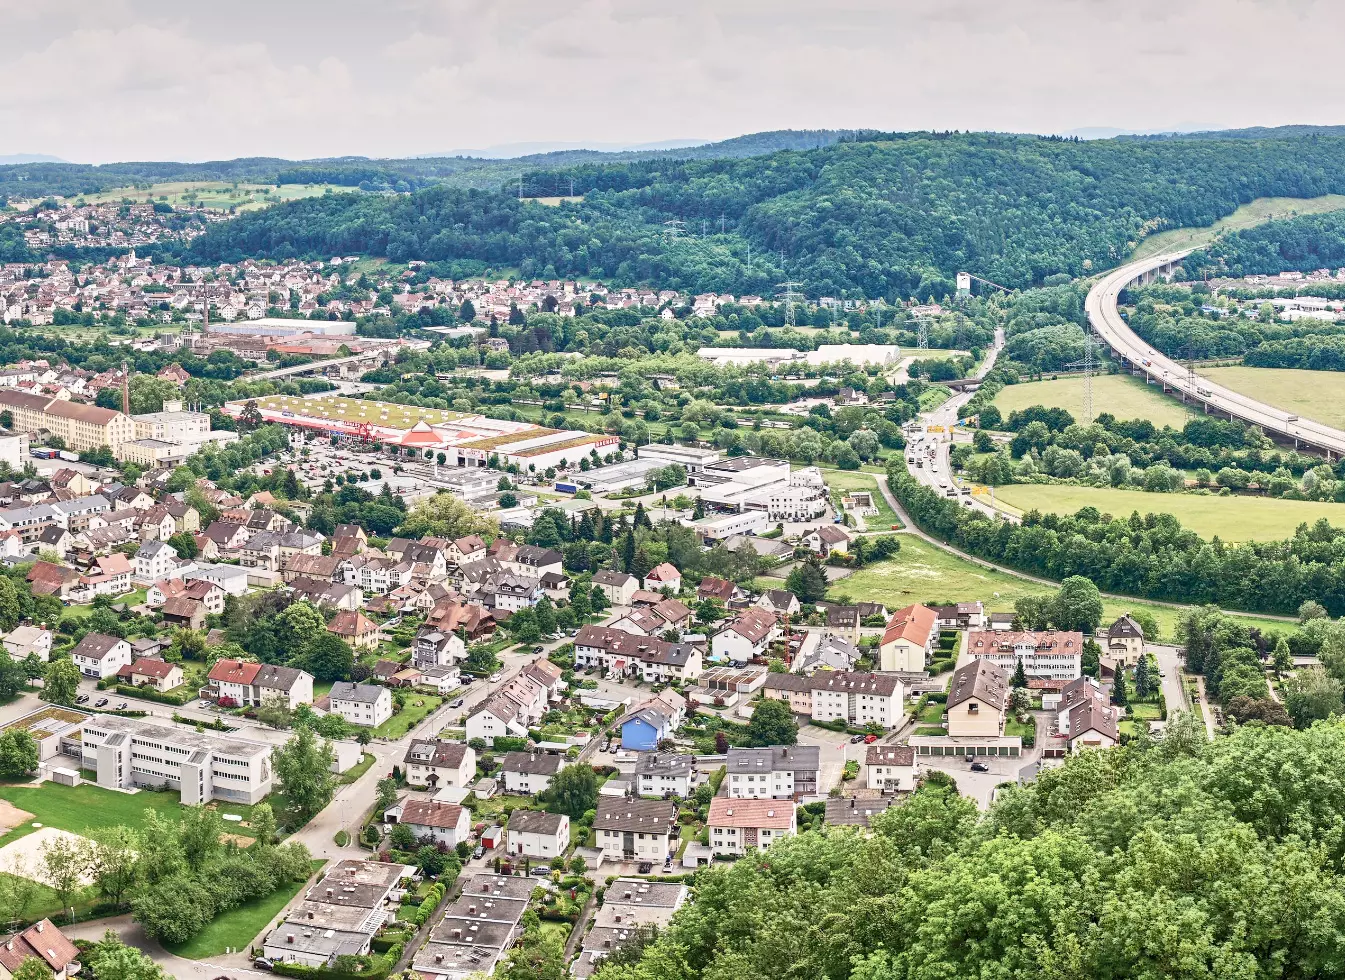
(160, 80)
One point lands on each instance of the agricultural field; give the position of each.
(1121, 395)
(1232, 518)
(1256, 212)
(215, 194)
(1318, 395)
(924, 573)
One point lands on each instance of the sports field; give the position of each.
(1317, 395)
(1121, 395)
(1231, 518)
(924, 573)
(1257, 212)
(214, 194)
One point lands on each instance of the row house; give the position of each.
(249, 685)
(746, 637)
(621, 654)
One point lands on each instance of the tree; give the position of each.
(116, 860)
(1144, 680)
(1019, 675)
(1281, 658)
(18, 753)
(430, 860)
(31, 968)
(174, 910)
(1090, 661)
(65, 861)
(184, 544)
(598, 600)
(772, 723)
(573, 790)
(402, 837)
(1311, 695)
(301, 622)
(111, 959)
(387, 794)
(538, 956)
(275, 711)
(262, 824)
(1309, 610)
(327, 657)
(447, 516)
(60, 685)
(199, 834)
(808, 581)
(1118, 689)
(303, 768)
(1077, 605)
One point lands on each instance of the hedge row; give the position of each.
(149, 694)
(431, 902)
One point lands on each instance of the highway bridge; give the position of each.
(1136, 355)
(367, 360)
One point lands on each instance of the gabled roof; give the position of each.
(767, 814)
(352, 623)
(914, 624)
(96, 646)
(431, 813)
(982, 680)
(663, 572)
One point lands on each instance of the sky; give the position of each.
(184, 80)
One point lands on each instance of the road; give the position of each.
(1170, 666)
(1162, 370)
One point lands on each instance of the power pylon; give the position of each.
(1089, 365)
(789, 292)
(673, 229)
(1187, 356)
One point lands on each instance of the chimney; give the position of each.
(289, 937)
(40, 924)
(125, 389)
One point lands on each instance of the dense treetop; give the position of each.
(890, 216)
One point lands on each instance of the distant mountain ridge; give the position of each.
(1294, 131)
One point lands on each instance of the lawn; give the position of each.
(134, 598)
(931, 398)
(1257, 212)
(1121, 395)
(493, 808)
(1023, 729)
(409, 717)
(80, 809)
(1145, 711)
(1318, 395)
(1233, 518)
(931, 713)
(237, 928)
(924, 573)
(843, 480)
(358, 769)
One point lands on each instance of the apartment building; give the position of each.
(435, 764)
(776, 772)
(737, 826)
(635, 830)
(1048, 654)
(80, 426)
(202, 766)
(248, 685)
(841, 695)
(908, 642)
(366, 705)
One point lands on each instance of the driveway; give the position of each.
(1169, 665)
(836, 749)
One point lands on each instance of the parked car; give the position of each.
(541, 872)
(82, 699)
(122, 706)
(855, 739)
(495, 677)
(100, 702)
(479, 851)
(456, 703)
(979, 767)
(539, 649)
(870, 739)
(262, 963)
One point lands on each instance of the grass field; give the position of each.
(80, 809)
(237, 928)
(1257, 212)
(1123, 396)
(410, 716)
(1232, 518)
(923, 573)
(215, 194)
(1317, 395)
(848, 480)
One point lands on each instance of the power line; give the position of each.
(790, 293)
(1088, 363)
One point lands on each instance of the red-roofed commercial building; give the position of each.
(908, 642)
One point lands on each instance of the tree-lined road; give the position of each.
(1116, 333)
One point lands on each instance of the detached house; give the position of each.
(890, 768)
(777, 772)
(1125, 641)
(636, 830)
(148, 672)
(737, 826)
(827, 539)
(154, 561)
(443, 823)
(366, 705)
(746, 637)
(99, 655)
(978, 700)
(664, 576)
(618, 587)
(434, 764)
(529, 772)
(357, 629)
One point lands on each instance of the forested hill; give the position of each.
(896, 215)
(1315, 241)
(1250, 133)
(41, 179)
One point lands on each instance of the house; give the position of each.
(961, 616)
(529, 772)
(357, 629)
(855, 811)
(618, 587)
(620, 654)
(184, 612)
(1125, 641)
(476, 929)
(99, 655)
(325, 568)
(780, 602)
(644, 728)
(249, 685)
(435, 764)
(538, 835)
(1053, 654)
(717, 589)
(339, 915)
(154, 561)
(890, 768)
(629, 905)
(548, 675)
(443, 823)
(746, 637)
(43, 942)
(24, 641)
(635, 830)
(978, 699)
(736, 826)
(826, 540)
(45, 578)
(495, 716)
(854, 697)
(325, 592)
(55, 539)
(664, 774)
(158, 674)
(366, 705)
(908, 642)
(776, 772)
(663, 577)
(229, 538)
(436, 649)
(828, 653)
(1093, 725)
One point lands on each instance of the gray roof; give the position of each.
(645, 816)
(852, 812)
(532, 763)
(536, 822)
(664, 764)
(775, 758)
(361, 693)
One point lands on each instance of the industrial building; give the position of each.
(755, 483)
(80, 426)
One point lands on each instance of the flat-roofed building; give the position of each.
(476, 929)
(339, 915)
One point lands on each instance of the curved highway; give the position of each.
(1116, 333)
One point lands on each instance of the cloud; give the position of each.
(136, 79)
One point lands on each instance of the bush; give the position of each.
(162, 697)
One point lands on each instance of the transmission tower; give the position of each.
(1089, 365)
(673, 229)
(922, 331)
(789, 293)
